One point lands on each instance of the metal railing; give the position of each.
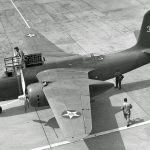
(12, 64)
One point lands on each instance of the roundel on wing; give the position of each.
(71, 114)
(30, 35)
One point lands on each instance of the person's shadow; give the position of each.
(136, 120)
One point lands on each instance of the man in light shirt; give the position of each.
(126, 108)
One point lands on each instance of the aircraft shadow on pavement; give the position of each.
(103, 113)
(19, 110)
(103, 117)
(128, 87)
(51, 122)
(108, 142)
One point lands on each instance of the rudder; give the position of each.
(144, 36)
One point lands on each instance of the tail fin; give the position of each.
(144, 36)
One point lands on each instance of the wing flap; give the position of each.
(61, 73)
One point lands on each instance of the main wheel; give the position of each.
(0, 109)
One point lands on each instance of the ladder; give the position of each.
(13, 66)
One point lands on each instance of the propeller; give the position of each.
(25, 98)
(26, 103)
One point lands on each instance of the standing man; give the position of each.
(17, 51)
(119, 77)
(20, 54)
(126, 108)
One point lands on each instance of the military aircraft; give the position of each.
(63, 80)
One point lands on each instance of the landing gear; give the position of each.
(0, 109)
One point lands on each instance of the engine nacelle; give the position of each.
(36, 95)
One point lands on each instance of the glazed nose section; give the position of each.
(9, 88)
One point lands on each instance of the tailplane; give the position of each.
(144, 35)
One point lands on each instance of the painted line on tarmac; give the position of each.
(41, 148)
(52, 145)
(20, 14)
(93, 135)
(9, 103)
(118, 129)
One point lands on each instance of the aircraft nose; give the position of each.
(9, 88)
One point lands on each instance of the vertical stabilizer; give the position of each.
(144, 36)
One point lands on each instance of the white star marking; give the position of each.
(31, 35)
(71, 114)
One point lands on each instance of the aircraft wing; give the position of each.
(70, 103)
(69, 98)
(35, 42)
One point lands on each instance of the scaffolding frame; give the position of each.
(12, 65)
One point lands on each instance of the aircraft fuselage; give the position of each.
(102, 67)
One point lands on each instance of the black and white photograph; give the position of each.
(74, 74)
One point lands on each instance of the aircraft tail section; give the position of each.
(144, 36)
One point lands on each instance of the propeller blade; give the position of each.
(23, 82)
(26, 103)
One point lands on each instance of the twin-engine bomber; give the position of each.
(63, 80)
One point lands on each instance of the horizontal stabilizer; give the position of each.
(146, 51)
(61, 73)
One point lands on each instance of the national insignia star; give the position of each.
(30, 35)
(71, 114)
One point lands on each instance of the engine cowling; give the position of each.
(36, 95)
